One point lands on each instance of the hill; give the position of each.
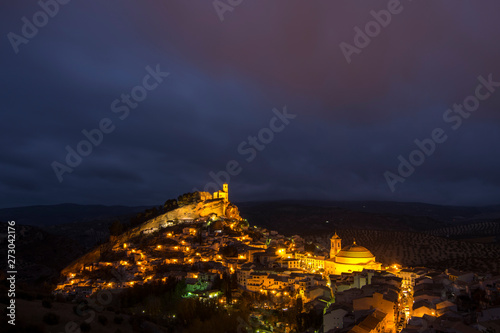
(40, 255)
(200, 206)
(313, 217)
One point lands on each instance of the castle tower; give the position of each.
(335, 245)
(222, 194)
(225, 188)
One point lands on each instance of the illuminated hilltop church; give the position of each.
(224, 194)
(352, 258)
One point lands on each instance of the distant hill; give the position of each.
(48, 215)
(40, 254)
(438, 212)
(311, 217)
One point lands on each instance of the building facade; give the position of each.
(352, 258)
(222, 194)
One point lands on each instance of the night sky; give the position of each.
(348, 119)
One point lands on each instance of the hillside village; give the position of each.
(217, 255)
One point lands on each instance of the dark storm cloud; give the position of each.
(353, 120)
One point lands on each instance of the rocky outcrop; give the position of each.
(232, 212)
(191, 212)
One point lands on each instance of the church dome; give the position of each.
(354, 254)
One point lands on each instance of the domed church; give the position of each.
(352, 258)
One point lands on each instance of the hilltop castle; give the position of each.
(222, 194)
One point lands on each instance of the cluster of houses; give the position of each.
(414, 301)
(454, 301)
(363, 300)
(189, 251)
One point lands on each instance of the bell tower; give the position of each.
(335, 245)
